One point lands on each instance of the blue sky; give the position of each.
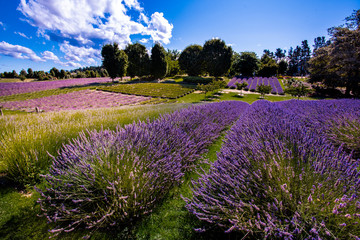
(67, 34)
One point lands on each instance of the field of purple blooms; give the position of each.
(25, 87)
(287, 170)
(109, 178)
(84, 99)
(255, 81)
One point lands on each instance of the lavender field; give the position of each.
(25, 87)
(253, 82)
(85, 99)
(287, 170)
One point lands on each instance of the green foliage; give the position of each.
(211, 87)
(296, 88)
(159, 64)
(173, 68)
(30, 73)
(241, 86)
(27, 140)
(283, 66)
(163, 90)
(138, 60)
(263, 89)
(268, 66)
(191, 61)
(123, 63)
(217, 57)
(246, 64)
(196, 80)
(337, 64)
(114, 60)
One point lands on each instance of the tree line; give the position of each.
(332, 63)
(54, 73)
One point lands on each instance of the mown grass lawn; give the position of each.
(162, 90)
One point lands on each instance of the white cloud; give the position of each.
(2, 25)
(80, 54)
(159, 28)
(84, 20)
(22, 34)
(47, 55)
(70, 64)
(19, 52)
(144, 40)
(41, 33)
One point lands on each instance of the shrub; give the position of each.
(114, 177)
(276, 178)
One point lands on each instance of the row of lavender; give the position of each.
(107, 178)
(256, 81)
(279, 175)
(84, 99)
(25, 87)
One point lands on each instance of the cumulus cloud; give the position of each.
(47, 55)
(159, 28)
(19, 52)
(86, 20)
(22, 34)
(78, 54)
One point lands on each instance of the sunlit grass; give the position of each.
(27, 140)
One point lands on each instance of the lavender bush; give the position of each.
(337, 120)
(277, 178)
(108, 178)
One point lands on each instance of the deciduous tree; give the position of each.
(191, 61)
(247, 64)
(217, 57)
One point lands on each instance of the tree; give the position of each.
(55, 72)
(263, 89)
(217, 57)
(296, 88)
(14, 74)
(283, 66)
(114, 60)
(138, 60)
(159, 65)
(320, 42)
(210, 87)
(191, 61)
(173, 54)
(30, 73)
(280, 54)
(247, 64)
(294, 57)
(304, 58)
(340, 60)
(23, 73)
(270, 54)
(241, 86)
(298, 91)
(268, 66)
(62, 74)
